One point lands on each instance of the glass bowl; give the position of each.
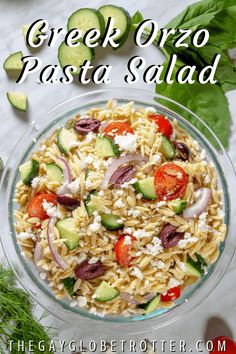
(25, 270)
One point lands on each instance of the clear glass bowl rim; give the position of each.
(93, 322)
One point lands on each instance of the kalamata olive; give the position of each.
(169, 236)
(182, 150)
(68, 202)
(87, 125)
(122, 174)
(87, 271)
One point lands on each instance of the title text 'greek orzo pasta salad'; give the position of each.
(120, 210)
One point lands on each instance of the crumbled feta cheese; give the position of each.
(43, 147)
(153, 248)
(126, 142)
(173, 283)
(43, 276)
(68, 188)
(82, 301)
(35, 182)
(133, 212)
(127, 184)
(150, 109)
(25, 235)
(50, 209)
(73, 144)
(160, 265)
(138, 254)
(60, 286)
(128, 230)
(179, 175)
(156, 159)
(119, 203)
(96, 225)
(93, 260)
(127, 240)
(202, 225)
(207, 179)
(183, 243)
(160, 204)
(107, 163)
(89, 137)
(118, 192)
(101, 193)
(88, 159)
(182, 266)
(137, 273)
(97, 164)
(221, 213)
(140, 233)
(139, 196)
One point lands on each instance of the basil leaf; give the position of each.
(207, 101)
(136, 19)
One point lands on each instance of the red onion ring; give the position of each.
(55, 254)
(65, 168)
(130, 298)
(200, 205)
(38, 255)
(139, 159)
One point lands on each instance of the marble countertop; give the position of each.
(216, 316)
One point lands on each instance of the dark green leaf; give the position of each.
(136, 19)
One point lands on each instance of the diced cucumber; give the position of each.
(64, 140)
(122, 21)
(18, 100)
(105, 292)
(167, 148)
(179, 206)
(54, 173)
(89, 203)
(105, 147)
(152, 305)
(68, 231)
(14, 63)
(28, 171)
(110, 221)
(86, 19)
(195, 268)
(25, 29)
(74, 56)
(69, 285)
(146, 187)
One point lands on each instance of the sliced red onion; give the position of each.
(149, 296)
(68, 202)
(139, 159)
(66, 169)
(55, 254)
(200, 205)
(38, 255)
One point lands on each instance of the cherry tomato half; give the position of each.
(122, 250)
(118, 128)
(164, 126)
(36, 209)
(219, 342)
(172, 294)
(170, 181)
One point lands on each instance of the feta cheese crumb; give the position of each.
(43, 276)
(160, 265)
(25, 235)
(119, 203)
(182, 266)
(126, 142)
(173, 283)
(50, 209)
(150, 110)
(207, 179)
(89, 137)
(96, 225)
(133, 212)
(154, 248)
(140, 233)
(137, 273)
(128, 230)
(156, 159)
(202, 225)
(93, 260)
(127, 240)
(127, 184)
(35, 182)
(82, 301)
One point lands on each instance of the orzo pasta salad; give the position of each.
(120, 210)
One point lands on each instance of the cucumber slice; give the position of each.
(89, 203)
(25, 29)
(28, 171)
(146, 187)
(14, 63)
(105, 147)
(85, 19)
(122, 21)
(179, 206)
(64, 140)
(167, 148)
(69, 285)
(18, 100)
(195, 268)
(68, 231)
(105, 292)
(54, 173)
(74, 56)
(152, 305)
(109, 221)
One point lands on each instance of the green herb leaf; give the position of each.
(207, 101)
(136, 19)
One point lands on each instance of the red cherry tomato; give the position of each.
(172, 294)
(164, 126)
(36, 209)
(122, 250)
(230, 345)
(118, 128)
(170, 181)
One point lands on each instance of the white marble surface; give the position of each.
(15, 13)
